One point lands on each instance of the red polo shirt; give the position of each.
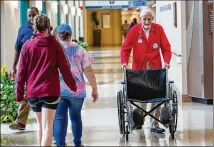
(40, 60)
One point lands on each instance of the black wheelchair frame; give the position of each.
(124, 108)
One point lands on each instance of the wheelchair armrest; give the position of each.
(171, 82)
(122, 82)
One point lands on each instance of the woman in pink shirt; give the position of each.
(41, 58)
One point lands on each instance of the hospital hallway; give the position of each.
(100, 120)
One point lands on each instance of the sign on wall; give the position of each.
(114, 4)
(106, 20)
(136, 3)
(165, 7)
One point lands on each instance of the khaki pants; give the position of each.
(23, 113)
(155, 113)
(125, 34)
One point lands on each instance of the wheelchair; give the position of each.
(147, 86)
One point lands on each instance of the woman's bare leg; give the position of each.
(47, 126)
(39, 122)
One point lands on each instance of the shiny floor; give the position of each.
(100, 120)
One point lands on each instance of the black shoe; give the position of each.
(54, 142)
(138, 127)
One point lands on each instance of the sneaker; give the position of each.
(158, 135)
(17, 126)
(157, 130)
(79, 146)
(53, 140)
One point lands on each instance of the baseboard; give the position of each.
(202, 100)
(186, 99)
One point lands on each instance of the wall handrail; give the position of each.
(178, 55)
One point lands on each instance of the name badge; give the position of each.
(155, 46)
(140, 40)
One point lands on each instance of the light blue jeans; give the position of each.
(74, 106)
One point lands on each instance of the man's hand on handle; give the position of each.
(166, 65)
(123, 66)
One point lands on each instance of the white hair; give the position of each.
(144, 12)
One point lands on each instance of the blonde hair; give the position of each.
(40, 23)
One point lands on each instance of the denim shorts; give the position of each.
(37, 103)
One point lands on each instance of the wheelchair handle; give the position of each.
(124, 67)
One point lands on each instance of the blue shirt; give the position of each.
(25, 32)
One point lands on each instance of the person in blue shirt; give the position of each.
(25, 32)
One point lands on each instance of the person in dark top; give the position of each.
(25, 32)
(134, 22)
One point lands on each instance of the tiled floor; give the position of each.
(100, 120)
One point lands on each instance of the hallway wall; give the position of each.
(10, 23)
(109, 36)
(164, 17)
(71, 20)
(62, 14)
(51, 13)
(199, 50)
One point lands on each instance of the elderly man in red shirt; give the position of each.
(146, 40)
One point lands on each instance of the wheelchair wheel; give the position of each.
(127, 132)
(175, 110)
(121, 116)
(165, 114)
(174, 116)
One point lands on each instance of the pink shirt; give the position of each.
(79, 60)
(40, 60)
